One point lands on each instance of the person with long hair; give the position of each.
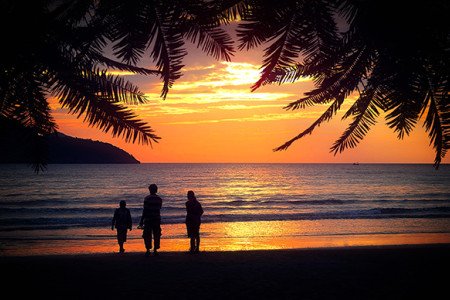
(194, 212)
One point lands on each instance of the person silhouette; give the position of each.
(151, 220)
(121, 221)
(194, 211)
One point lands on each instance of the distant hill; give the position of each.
(64, 149)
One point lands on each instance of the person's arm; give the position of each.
(141, 221)
(187, 208)
(113, 220)
(200, 208)
(196, 209)
(129, 220)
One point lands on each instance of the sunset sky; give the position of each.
(210, 115)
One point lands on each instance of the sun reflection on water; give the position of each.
(231, 236)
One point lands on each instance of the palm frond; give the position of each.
(403, 117)
(130, 27)
(110, 63)
(346, 9)
(404, 100)
(96, 96)
(320, 33)
(286, 75)
(326, 116)
(115, 87)
(232, 10)
(365, 113)
(256, 25)
(284, 49)
(25, 107)
(344, 80)
(208, 36)
(303, 29)
(25, 102)
(73, 11)
(168, 50)
(437, 121)
(211, 39)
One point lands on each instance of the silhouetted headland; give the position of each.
(64, 149)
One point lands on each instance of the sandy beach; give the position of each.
(382, 272)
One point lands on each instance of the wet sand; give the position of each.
(382, 272)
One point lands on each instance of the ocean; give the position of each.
(68, 208)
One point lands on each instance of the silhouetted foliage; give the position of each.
(55, 48)
(394, 54)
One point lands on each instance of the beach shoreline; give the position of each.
(364, 272)
(233, 236)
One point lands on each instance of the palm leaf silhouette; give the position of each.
(64, 57)
(345, 49)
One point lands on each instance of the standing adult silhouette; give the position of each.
(194, 211)
(151, 220)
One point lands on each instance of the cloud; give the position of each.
(219, 95)
(254, 118)
(244, 106)
(229, 74)
(210, 91)
(159, 110)
(121, 73)
(198, 68)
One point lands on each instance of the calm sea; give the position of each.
(247, 206)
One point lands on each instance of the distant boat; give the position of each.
(356, 164)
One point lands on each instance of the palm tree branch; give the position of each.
(365, 113)
(231, 10)
(110, 63)
(86, 96)
(437, 122)
(326, 116)
(212, 40)
(167, 49)
(256, 25)
(130, 28)
(343, 81)
(280, 53)
(25, 101)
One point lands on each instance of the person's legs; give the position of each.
(192, 248)
(197, 238)
(156, 236)
(121, 238)
(197, 246)
(118, 239)
(190, 234)
(147, 235)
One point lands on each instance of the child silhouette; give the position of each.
(121, 221)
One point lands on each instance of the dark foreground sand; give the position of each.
(387, 272)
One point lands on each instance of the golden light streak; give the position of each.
(120, 73)
(243, 106)
(254, 118)
(198, 68)
(220, 95)
(229, 74)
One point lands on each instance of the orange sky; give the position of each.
(210, 115)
